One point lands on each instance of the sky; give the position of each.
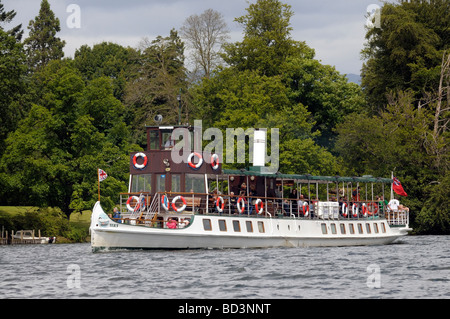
(334, 28)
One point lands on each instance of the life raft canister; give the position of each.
(140, 166)
(305, 209)
(165, 202)
(220, 204)
(261, 209)
(182, 208)
(136, 207)
(200, 160)
(215, 162)
(239, 207)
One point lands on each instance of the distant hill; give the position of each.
(355, 78)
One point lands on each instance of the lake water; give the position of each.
(412, 267)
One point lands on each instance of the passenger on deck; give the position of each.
(116, 215)
(172, 223)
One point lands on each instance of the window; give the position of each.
(176, 187)
(249, 226)
(261, 227)
(222, 225)
(324, 229)
(207, 224)
(342, 229)
(375, 227)
(194, 183)
(360, 229)
(368, 228)
(141, 183)
(351, 228)
(161, 183)
(236, 226)
(154, 140)
(333, 229)
(383, 227)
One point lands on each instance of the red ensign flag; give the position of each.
(398, 188)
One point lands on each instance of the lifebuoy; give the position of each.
(136, 207)
(372, 208)
(220, 204)
(259, 210)
(165, 202)
(239, 207)
(215, 162)
(365, 211)
(140, 166)
(344, 210)
(355, 210)
(182, 208)
(305, 209)
(200, 160)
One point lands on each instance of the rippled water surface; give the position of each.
(413, 267)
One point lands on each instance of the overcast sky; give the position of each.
(334, 28)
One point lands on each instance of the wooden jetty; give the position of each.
(24, 237)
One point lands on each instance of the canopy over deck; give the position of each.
(254, 171)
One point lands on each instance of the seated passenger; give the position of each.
(172, 223)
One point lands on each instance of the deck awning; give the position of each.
(308, 178)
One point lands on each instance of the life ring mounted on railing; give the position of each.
(305, 209)
(355, 210)
(260, 210)
(239, 207)
(136, 206)
(165, 202)
(344, 210)
(220, 204)
(215, 162)
(191, 157)
(182, 208)
(140, 166)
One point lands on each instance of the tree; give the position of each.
(154, 87)
(12, 84)
(205, 35)
(42, 45)
(406, 51)
(267, 42)
(72, 129)
(7, 17)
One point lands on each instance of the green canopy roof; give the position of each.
(254, 171)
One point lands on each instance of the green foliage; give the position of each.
(434, 217)
(405, 52)
(42, 44)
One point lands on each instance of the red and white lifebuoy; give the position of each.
(215, 162)
(182, 208)
(220, 204)
(305, 209)
(165, 202)
(140, 166)
(372, 208)
(200, 160)
(355, 210)
(260, 209)
(241, 207)
(136, 206)
(344, 210)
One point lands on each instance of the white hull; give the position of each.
(253, 232)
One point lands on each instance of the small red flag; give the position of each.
(398, 188)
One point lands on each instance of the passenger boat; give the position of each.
(198, 205)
